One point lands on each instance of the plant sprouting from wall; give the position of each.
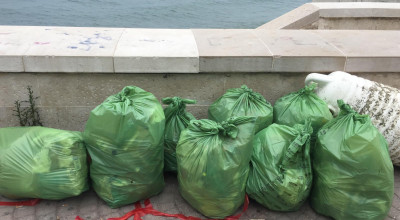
(28, 115)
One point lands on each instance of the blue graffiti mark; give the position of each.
(99, 36)
(88, 42)
(41, 43)
(146, 40)
(72, 47)
(47, 29)
(66, 34)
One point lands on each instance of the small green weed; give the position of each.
(29, 115)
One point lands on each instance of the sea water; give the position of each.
(145, 13)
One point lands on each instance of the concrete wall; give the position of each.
(129, 50)
(345, 15)
(67, 99)
(355, 0)
(355, 24)
(74, 69)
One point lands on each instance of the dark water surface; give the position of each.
(145, 13)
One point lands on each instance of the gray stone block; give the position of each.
(6, 210)
(13, 87)
(271, 85)
(46, 208)
(24, 211)
(7, 217)
(32, 217)
(90, 206)
(198, 111)
(49, 216)
(66, 99)
(91, 90)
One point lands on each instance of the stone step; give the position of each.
(127, 50)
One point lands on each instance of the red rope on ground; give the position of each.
(139, 212)
(31, 202)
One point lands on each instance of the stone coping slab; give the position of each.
(12, 46)
(232, 50)
(156, 51)
(366, 50)
(311, 12)
(300, 51)
(129, 50)
(358, 9)
(73, 49)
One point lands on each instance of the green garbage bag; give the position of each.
(39, 162)
(213, 164)
(297, 107)
(124, 136)
(176, 120)
(353, 173)
(242, 102)
(280, 169)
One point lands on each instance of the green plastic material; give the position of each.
(280, 173)
(38, 162)
(176, 120)
(124, 136)
(297, 107)
(213, 164)
(242, 102)
(353, 173)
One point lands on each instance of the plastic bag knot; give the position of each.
(228, 129)
(178, 102)
(310, 87)
(246, 89)
(307, 129)
(345, 108)
(251, 94)
(123, 98)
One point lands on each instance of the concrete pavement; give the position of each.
(90, 207)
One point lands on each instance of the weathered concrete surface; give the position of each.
(12, 46)
(355, 0)
(295, 19)
(67, 99)
(90, 207)
(358, 9)
(355, 24)
(346, 15)
(60, 49)
(360, 49)
(231, 50)
(301, 51)
(118, 50)
(156, 51)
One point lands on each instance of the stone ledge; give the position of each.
(300, 51)
(311, 12)
(118, 50)
(355, 0)
(295, 19)
(156, 51)
(366, 50)
(358, 9)
(232, 50)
